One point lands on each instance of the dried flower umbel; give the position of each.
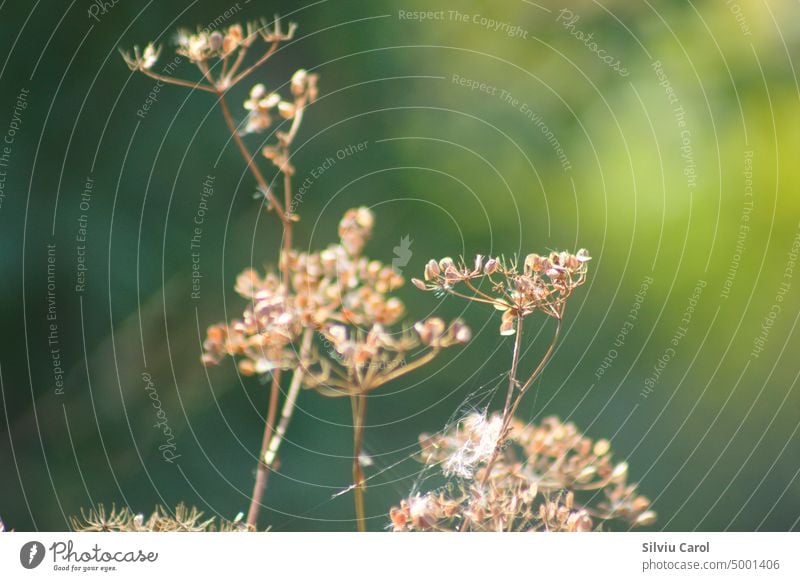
(544, 284)
(344, 298)
(547, 478)
(222, 56)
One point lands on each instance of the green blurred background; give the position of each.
(672, 207)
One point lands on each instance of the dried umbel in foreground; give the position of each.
(544, 284)
(343, 298)
(183, 519)
(547, 478)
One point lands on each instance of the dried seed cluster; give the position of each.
(262, 105)
(219, 54)
(184, 519)
(343, 295)
(544, 283)
(548, 477)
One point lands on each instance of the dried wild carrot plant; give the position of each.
(222, 58)
(548, 477)
(544, 284)
(342, 297)
(509, 476)
(337, 293)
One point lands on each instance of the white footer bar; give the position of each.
(351, 557)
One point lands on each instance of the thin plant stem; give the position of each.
(477, 291)
(262, 471)
(408, 368)
(255, 65)
(512, 384)
(359, 405)
(523, 390)
(287, 226)
(510, 408)
(512, 376)
(288, 405)
(262, 183)
(273, 438)
(492, 302)
(544, 360)
(180, 82)
(251, 164)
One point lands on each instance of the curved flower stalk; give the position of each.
(549, 478)
(544, 284)
(222, 58)
(364, 360)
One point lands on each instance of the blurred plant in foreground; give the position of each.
(342, 297)
(183, 519)
(509, 476)
(547, 478)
